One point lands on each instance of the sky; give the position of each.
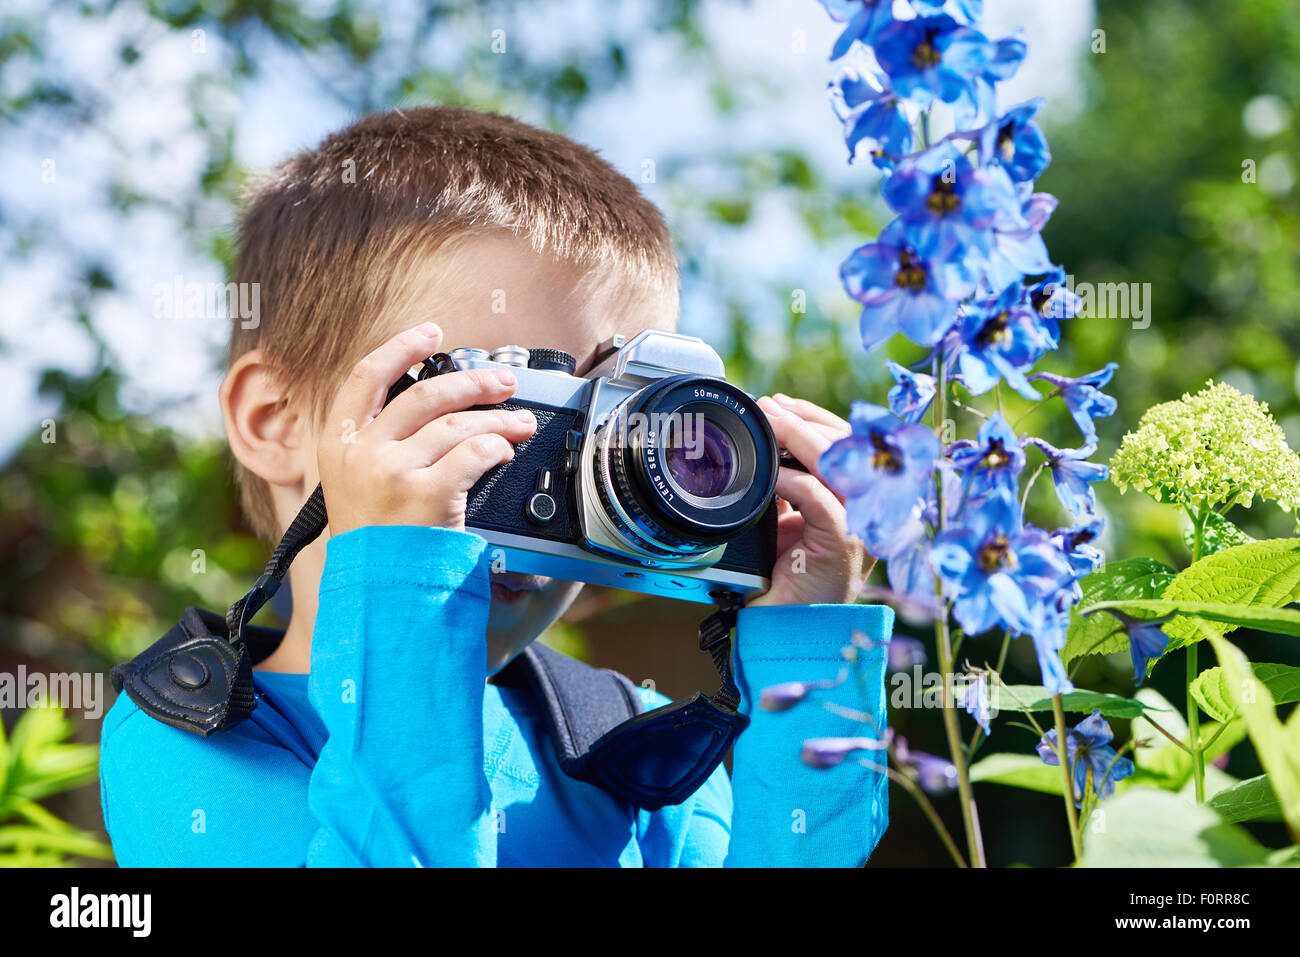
(140, 135)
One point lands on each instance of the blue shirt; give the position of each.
(395, 751)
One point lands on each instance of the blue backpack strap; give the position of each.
(580, 702)
(600, 735)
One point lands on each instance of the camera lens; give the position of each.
(685, 465)
(701, 457)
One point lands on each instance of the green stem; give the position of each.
(969, 813)
(931, 814)
(943, 642)
(1193, 669)
(1063, 753)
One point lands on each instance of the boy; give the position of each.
(379, 737)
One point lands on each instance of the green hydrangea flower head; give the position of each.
(1216, 448)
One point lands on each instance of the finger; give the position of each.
(444, 433)
(825, 522)
(812, 412)
(462, 466)
(424, 402)
(796, 436)
(831, 433)
(362, 394)
(789, 530)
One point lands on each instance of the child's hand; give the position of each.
(818, 561)
(413, 462)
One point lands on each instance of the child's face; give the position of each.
(494, 290)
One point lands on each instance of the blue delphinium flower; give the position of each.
(901, 291)
(993, 460)
(1087, 748)
(935, 775)
(822, 753)
(967, 11)
(1018, 249)
(871, 111)
(1001, 339)
(934, 58)
(949, 204)
(908, 569)
(1015, 142)
(1049, 638)
(998, 572)
(865, 20)
(1053, 301)
(903, 653)
(1083, 397)
(1076, 544)
(1073, 475)
(912, 392)
(1146, 640)
(882, 469)
(975, 702)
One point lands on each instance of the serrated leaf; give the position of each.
(1262, 574)
(1017, 771)
(1276, 744)
(1147, 827)
(1249, 800)
(1131, 578)
(1219, 534)
(1210, 692)
(1037, 698)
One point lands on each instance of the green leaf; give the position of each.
(1211, 693)
(1249, 800)
(1147, 827)
(1219, 534)
(1131, 578)
(1276, 744)
(1262, 574)
(1282, 621)
(1036, 698)
(1017, 771)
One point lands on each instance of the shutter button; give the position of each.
(187, 671)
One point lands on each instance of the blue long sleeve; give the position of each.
(398, 666)
(787, 813)
(394, 751)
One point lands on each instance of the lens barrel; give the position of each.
(685, 465)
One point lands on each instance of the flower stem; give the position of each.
(943, 642)
(1067, 777)
(969, 813)
(1193, 669)
(931, 814)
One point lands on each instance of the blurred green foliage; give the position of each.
(38, 761)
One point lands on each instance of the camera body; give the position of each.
(652, 473)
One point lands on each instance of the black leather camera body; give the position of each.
(652, 473)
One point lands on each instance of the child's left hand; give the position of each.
(818, 561)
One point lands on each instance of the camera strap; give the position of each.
(649, 760)
(199, 679)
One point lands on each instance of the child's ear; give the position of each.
(268, 436)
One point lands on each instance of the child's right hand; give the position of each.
(414, 461)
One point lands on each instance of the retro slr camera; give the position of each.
(652, 473)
